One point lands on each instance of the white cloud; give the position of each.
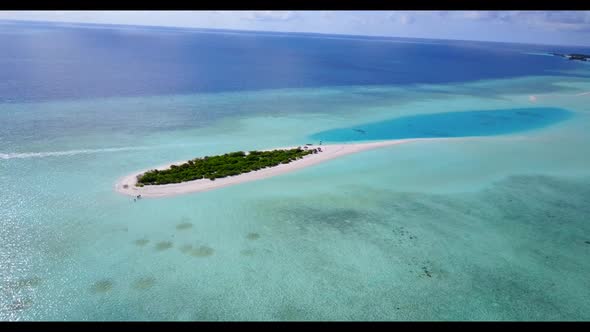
(269, 15)
(553, 20)
(327, 14)
(479, 15)
(402, 18)
(558, 20)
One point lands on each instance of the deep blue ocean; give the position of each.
(43, 61)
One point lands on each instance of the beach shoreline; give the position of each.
(329, 152)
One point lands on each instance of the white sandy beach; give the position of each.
(330, 151)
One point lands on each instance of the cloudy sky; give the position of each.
(540, 27)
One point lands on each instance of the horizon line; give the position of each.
(284, 32)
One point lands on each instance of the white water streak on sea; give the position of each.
(25, 155)
(537, 53)
(534, 98)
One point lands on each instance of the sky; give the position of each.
(536, 27)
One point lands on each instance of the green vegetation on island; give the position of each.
(229, 164)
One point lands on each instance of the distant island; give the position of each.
(579, 57)
(229, 164)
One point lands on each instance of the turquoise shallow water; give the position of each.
(489, 228)
(450, 124)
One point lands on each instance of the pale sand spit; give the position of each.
(126, 185)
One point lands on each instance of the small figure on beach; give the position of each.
(138, 196)
(320, 142)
